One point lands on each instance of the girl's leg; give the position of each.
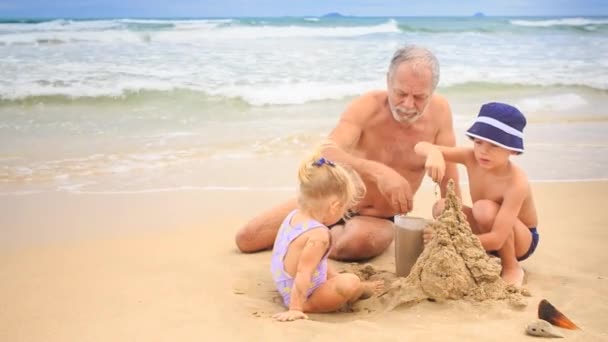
(344, 288)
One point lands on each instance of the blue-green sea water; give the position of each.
(146, 104)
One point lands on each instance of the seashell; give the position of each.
(542, 328)
(549, 313)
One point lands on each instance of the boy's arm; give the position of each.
(436, 155)
(506, 217)
(445, 137)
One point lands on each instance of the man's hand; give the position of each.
(290, 315)
(395, 189)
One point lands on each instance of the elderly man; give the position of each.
(376, 136)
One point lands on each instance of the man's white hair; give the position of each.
(415, 53)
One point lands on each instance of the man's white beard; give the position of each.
(404, 115)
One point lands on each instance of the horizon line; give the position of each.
(3, 17)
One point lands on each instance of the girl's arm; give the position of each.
(314, 249)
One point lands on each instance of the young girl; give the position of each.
(299, 258)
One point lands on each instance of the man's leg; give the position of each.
(517, 244)
(362, 237)
(259, 233)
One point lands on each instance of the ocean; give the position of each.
(148, 105)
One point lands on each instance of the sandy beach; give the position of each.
(133, 149)
(163, 267)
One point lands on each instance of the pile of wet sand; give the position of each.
(452, 266)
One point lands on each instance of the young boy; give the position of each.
(503, 215)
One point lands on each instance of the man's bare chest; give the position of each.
(393, 148)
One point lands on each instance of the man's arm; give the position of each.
(345, 136)
(343, 140)
(445, 137)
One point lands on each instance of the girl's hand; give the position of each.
(290, 315)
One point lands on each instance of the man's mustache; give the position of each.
(406, 112)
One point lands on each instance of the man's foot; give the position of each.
(371, 288)
(513, 276)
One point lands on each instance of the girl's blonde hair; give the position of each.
(321, 178)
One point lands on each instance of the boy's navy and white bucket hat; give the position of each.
(499, 124)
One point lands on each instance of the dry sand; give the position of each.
(163, 267)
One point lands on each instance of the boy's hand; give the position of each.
(435, 165)
(438, 208)
(427, 234)
(290, 315)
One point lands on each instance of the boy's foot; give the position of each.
(371, 288)
(513, 276)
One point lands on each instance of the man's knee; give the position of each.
(245, 239)
(361, 247)
(484, 212)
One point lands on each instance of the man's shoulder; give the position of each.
(366, 106)
(440, 105)
(374, 97)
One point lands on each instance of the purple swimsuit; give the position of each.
(287, 233)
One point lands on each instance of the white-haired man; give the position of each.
(376, 136)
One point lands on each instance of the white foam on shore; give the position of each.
(69, 32)
(559, 22)
(552, 102)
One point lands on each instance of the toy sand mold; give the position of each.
(453, 265)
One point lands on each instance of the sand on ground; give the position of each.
(164, 267)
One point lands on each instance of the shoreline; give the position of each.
(212, 188)
(35, 219)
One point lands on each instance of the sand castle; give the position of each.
(453, 265)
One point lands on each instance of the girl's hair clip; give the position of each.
(323, 161)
